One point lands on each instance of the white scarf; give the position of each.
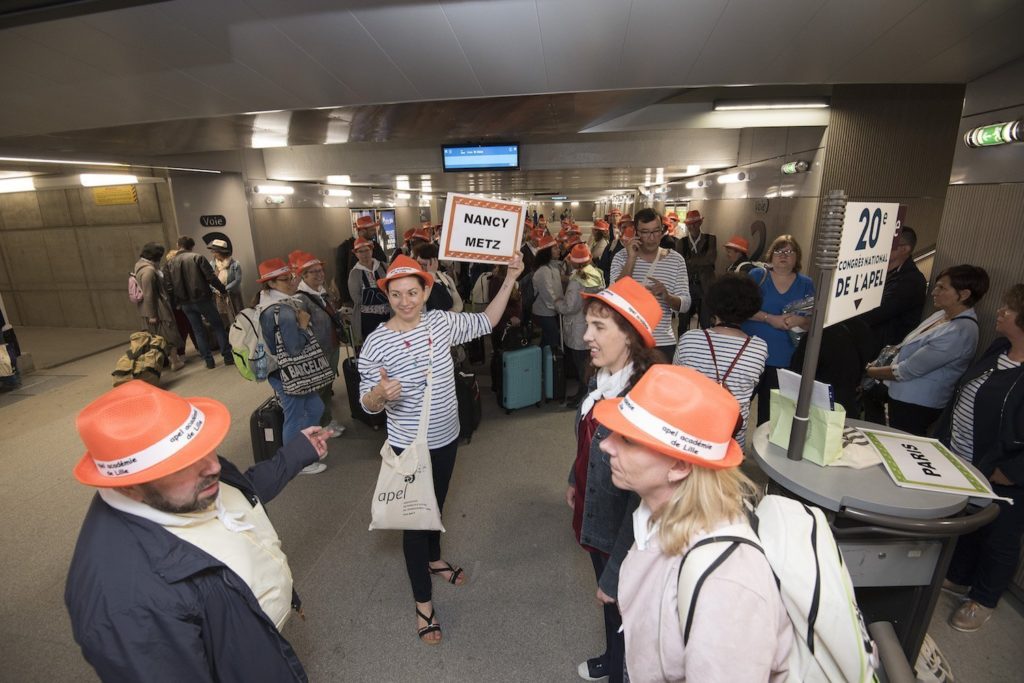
(609, 385)
(303, 287)
(230, 520)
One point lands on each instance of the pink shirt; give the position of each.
(740, 629)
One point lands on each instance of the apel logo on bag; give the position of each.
(387, 497)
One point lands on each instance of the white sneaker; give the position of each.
(315, 468)
(335, 429)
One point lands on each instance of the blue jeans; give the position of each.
(986, 559)
(299, 411)
(195, 311)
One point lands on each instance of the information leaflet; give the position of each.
(859, 278)
(481, 230)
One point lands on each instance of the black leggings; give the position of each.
(614, 642)
(423, 547)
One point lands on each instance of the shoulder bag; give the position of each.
(714, 360)
(306, 373)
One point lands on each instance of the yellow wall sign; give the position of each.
(114, 194)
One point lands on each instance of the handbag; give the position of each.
(824, 443)
(306, 373)
(404, 497)
(7, 364)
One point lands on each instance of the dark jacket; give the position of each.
(900, 310)
(191, 278)
(345, 260)
(700, 262)
(607, 509)
(998, 417)
(147, 606)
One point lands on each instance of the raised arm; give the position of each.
(496, 308)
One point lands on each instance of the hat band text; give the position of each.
(622, 303)
(684, 442)
(158, 452)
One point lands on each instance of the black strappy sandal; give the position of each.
(431, 627)
(456, 572)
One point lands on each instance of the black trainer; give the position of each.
(594, 669)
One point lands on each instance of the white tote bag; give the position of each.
(404, 497)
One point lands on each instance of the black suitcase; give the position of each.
(266, 427)
(467, 393)
(476, 351)
(350, 372)
(554, 374)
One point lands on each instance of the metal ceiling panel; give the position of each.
(43, 62)
(421, 42)
(84, 44)
(583, 43)
(974, 55)
(665, 37)
(502, 43)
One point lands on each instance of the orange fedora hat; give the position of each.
(739, 244)
(273, 268)
(364, 222)
(403, 266)
(360, 243)
(601, 224)
(680, 413)
(580, 253)
(138, 433)
(635, 303)
(301, 260)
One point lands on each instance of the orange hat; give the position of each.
(562, 234)
(626, 219)
(538, 233)
(422, 234)
(672, 216)
(635, 303)
(407, 235)
(364, 222)
(615, 212)
(572, 239)
(680, 413)
(273, 268)
(601, 224)
(629, 232)
(580, 253)
(546, 241)
(403, 266)
(665, 222)
(693, 217)
(301, 260)
(528, 225)
(138, 433)
(360, 243)
(739, 244)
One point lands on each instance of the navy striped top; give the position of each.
(404, 355)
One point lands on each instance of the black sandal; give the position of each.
(453, 579)
(431, 627)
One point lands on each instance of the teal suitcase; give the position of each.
(521, 381)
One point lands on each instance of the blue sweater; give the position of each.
(780, 348)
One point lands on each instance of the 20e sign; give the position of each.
(873, 222)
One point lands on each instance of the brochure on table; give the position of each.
(481, 230)
(917, 462)
(822, 395)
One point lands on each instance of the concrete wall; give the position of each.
(64, 260)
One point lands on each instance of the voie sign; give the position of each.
(481, 230)
(213, 221)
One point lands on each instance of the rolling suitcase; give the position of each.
(521, 378)
(554, 374)
(467, 393)
(350, 373)
(266, 428)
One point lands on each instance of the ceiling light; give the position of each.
(377, 201)
(335, 192)
(273, 189)
(995, 134)
(693, 185)
(794, 103)
(26, 184)
(558, 203)
(795, 167)
(62, 161)
(339, 180)
(275, 199)
(692, 169)
(574, 203)
(727, 178)
(403, 195)
(100, 179)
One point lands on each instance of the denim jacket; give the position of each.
(929, 365)
(607, 510)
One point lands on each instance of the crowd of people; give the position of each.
(661, 421)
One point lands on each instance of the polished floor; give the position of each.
(527, 612)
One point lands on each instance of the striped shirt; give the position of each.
(671, 272)
(962, 436)
(693, 352)
(405, 357)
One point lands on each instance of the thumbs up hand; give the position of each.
(389, 389)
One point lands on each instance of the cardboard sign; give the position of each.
(113, 195)
(859, 278)
(917, 462)
(481, 230)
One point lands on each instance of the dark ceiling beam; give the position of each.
(25, 12)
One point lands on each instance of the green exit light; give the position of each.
(995, 134)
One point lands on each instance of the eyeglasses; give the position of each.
(314, 271)
(784, 252)
(649, 233)
(285, 278)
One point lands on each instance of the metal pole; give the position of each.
(830, 233)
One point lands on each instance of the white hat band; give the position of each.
(684, 442)
(158, 452)
(310, 264)
(622, 304)
(403, 270)
(280, 271)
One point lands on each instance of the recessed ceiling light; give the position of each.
(789, 103)
(335, 192)
(100, 179)
(273, 189)
(26, 184)
(339, 180)
(62, 161)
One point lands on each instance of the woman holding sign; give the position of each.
(393, 377)
(984, 424)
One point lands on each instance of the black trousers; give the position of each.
(986, 560)
(769, 380)
(423, 547)
(911, 417)
(614, 642)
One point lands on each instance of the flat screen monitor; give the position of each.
(489, 157)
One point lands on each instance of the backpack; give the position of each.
(135, 294)
(481, 294)
(830, 641)
(145, 359)
(247, 347)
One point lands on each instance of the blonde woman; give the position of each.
(672, 444)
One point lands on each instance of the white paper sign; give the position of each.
(917, 462)
(481, 230)
(857, 283)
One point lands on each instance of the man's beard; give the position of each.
(154, 499)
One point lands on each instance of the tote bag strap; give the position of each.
(421, 433)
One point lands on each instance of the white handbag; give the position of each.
(404, 497)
